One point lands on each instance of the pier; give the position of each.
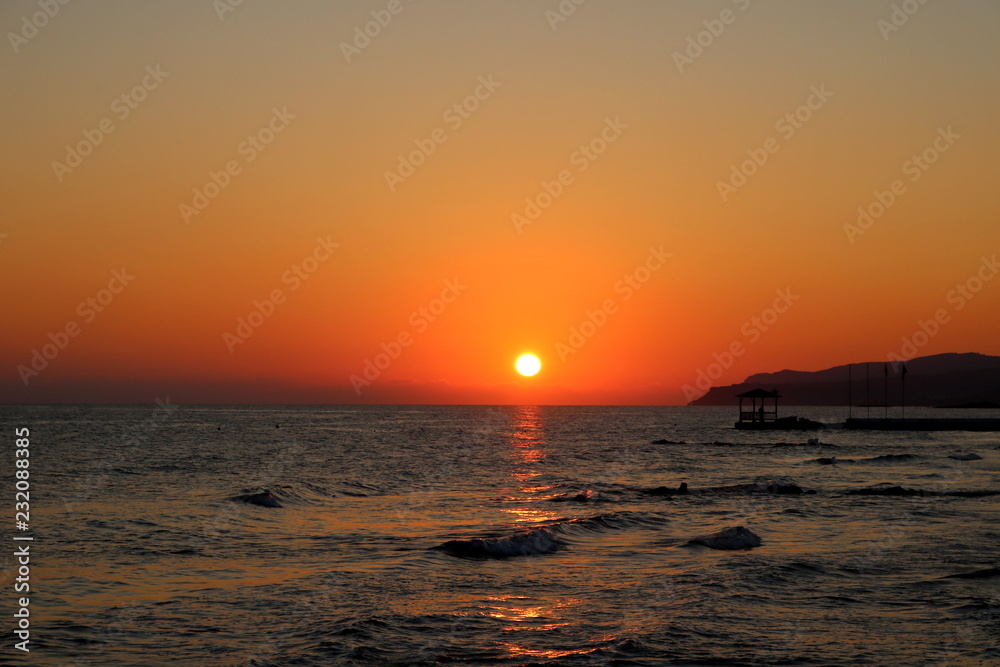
(925, 424)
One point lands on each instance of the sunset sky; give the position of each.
(695, 165)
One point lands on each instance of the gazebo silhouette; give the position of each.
(759, 414)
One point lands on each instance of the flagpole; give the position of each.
(885, 390)
(868, 390)
(902, 402)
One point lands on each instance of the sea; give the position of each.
(496, 535)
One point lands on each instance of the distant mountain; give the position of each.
(939, 379)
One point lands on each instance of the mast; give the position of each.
(885, 389)
(902, 382)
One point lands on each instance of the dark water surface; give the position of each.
(142, 557)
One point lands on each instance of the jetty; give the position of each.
(904, 423)
(923, 424)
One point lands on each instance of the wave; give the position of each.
(549, 538)
(812, 442)
(729, 539)
(681, 490)
(799, 567)
(585, 492)
(300, 493)
(530, 543)
(965, 457)
(970, 494)
(978, 574)
(777, 485)
(359, 490)
(600, 523)
(582, 497)
(903, 491)
(884, 458)
(891, 458)
(262, 498)
(829, 460)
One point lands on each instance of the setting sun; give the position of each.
(528, 365)
(727, 226)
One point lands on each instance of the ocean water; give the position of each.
(144, 553)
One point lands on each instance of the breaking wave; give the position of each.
(549, 538)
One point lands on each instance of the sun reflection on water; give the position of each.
(527, 446)
(524, 616)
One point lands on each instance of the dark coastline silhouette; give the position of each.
(945, 380)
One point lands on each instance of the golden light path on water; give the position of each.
(526, 446)
(527, 443)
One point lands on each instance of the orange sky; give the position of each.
(631, 125)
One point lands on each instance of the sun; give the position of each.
(528, 365)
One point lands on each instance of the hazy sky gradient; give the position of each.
(323, 176)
